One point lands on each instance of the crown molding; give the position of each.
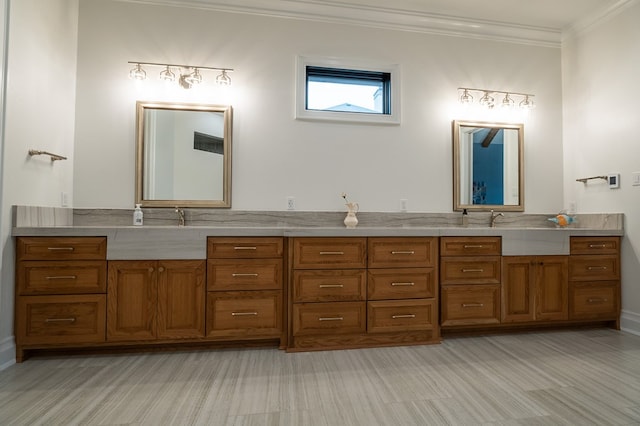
(377, 17)
(594, 19)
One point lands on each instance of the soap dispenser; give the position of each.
(465, 218)
(137, 215)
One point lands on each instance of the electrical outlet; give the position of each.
(291, 203)
(64, 199)
(403, 205)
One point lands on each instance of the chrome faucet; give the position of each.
(180, 216)
(494, 216)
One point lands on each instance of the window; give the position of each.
(336, 90)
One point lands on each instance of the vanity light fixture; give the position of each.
(138, 73)
(507, 102)
(488, 101)
(466, 98)
(167, 75)
(189, 75)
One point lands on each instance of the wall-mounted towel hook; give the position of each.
(54, 157)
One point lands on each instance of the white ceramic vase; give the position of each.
(351, 221)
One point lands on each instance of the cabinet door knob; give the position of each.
(150, 269)
(161, 269)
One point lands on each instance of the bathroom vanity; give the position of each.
(110, 287)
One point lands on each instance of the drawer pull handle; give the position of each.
(331, 285)
(62, 277)
(596, 300)
(330, 319)
(243, 314)
(473, 246)
(597, 246)
(473, 305)
(60, 248)
(245, 248)
(243, 275)
(403, 316)
(60, 320)
(472, 270)
(596, 268)
(402, 284)
(331, 253)
(404, 252)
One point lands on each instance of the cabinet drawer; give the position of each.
(61, 248)
(244, 274)
(401, 315)
(243, 313)
(61, 319)
(589, 268)
(402, 252)
(244, 247)
(329, 253)
(470, 246)
(329, 318)
(594, 300)
(401, 283)
(470, 304)
(329, 285)
(62, 277)
(595, 245)
(470, 270)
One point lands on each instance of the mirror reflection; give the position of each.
(183, 155)
(488, 166)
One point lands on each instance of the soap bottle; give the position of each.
(465, 218)
(137, 215)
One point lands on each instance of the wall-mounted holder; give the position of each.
(54, 157)
(584, 180)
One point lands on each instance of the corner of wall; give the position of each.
(7, 352)
(630, 322)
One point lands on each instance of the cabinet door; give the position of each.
(517, 289)
(132, 297)
(181, 299)
(552, 288)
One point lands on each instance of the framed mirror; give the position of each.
(488, 166)
(183, 155)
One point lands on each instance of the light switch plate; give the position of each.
(635, 178)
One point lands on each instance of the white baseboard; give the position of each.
(630, 322)
(7, 352)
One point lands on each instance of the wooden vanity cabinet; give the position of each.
(402, 294)
(594, 279)
(60, 292)
(362, 292)
(245, 279)
(534, 288)
(155, 300)
(470, 277)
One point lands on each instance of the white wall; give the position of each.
(275, 156)
(601, 92)
(39, 114)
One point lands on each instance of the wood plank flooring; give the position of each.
(586, 377)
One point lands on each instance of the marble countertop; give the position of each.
(161, 238)
(189, 242)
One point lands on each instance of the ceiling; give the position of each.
(543, 22)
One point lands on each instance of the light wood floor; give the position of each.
(548, 378)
